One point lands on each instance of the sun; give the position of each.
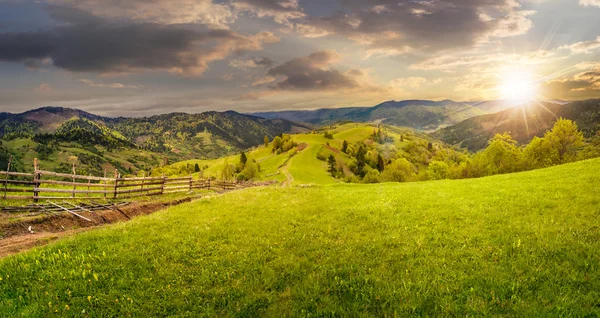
(518, 86)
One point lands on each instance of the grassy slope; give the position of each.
(304, 167)
(517, 245)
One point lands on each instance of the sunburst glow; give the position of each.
(518, 86)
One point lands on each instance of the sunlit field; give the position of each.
(523, 244)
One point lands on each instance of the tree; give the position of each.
(538, 153)
(372, 177)
(331, 165)
(196, 168)
(250, 171)
(437, 170)
(328, 135)
(500, 156)
(360, 160)
(266, 141)
(243, 158)
(565, 140)
(398, 171)
(344, 146)
(228, 171)
(276, 143)
(380, 163)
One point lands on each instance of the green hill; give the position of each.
(306, 162)
(523, 244)
(59, 136)
(523, 122)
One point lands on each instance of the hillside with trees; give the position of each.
(522, 122)
(60, 137)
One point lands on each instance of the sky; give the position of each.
(146, 57)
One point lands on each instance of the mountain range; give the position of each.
(59, 135)
(419, 114)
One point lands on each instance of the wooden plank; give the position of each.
(70, 191)
(69, 183)
(138, 190)
(139, 179)
(81, 216)
(178, 179)
(138, 184)
(65, 175)
(4, 182)
(16, 174)
(177, 182)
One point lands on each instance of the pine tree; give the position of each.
(243, 158)
(266, 141)
(332, 164)
(344, 146)
(196, 168)
(380, 163)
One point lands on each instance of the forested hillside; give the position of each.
(523, 123)
(60, 137)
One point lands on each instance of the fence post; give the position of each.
(6, 179)
(74, 180)
(191, 182)
(105, 182)
(36, 178)
(116, 184)
(89, 182)
(209, 183)
(162, 185)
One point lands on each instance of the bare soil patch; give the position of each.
(22, 232)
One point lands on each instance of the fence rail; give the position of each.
(48, 185)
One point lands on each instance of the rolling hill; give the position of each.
(59, 136)
(506, 245)
(523, 123)
(418, 114)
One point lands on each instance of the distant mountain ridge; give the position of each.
(419, 114)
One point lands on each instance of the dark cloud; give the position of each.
(251, 63)
(108, 47)
(213, 15)
(399, 26)
(263, 61)
(313, 73)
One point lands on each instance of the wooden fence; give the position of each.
(47, 185)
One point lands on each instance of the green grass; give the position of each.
(307, 169)
(524, 244)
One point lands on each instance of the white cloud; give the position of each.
(584, 47)
(590, 3)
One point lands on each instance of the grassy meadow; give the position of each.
(524, 244)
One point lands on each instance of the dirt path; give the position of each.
(16, 235)
(288, 175)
